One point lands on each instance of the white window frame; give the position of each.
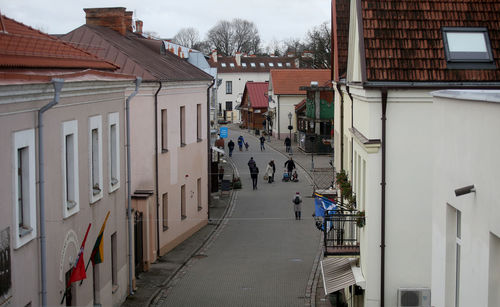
(73, 206)
(114, 158)
(21, 139)
(95, 122)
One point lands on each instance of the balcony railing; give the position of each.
(341, 233)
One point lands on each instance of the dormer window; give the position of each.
(231, 64)
(280, 64)
(244, 65)
(262, 65)
(467, 48)
(252, 64)
(271, 64)
(223, 64)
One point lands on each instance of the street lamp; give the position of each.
(269, 127)
(290, 127)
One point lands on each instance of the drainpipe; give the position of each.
(58, 84)
(209, 148)
(341, 127)
(138, 81)
(279, 132)
(382, 185)
(156, 175)
(352, 126)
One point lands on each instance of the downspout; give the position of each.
(157, 189)
(138, 81)
(341, 127)
(352, 126)
(209, 148)
(382, 190)
(279, 132)
(58, 84)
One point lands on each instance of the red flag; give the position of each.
(78, 272)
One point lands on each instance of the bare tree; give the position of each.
(187, 37)
(319, 42)
(238, 35)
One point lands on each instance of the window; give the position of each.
(244, 65)
(114, 262)
(453, 255)
(229, 87)
(252, 64)
(494, 271)
(71, 291)
(280, 64)
(183, 126)
(164, 131)
(96, 285)
(467, 48)
(288, 64)
(271, 64)
(24, 173)
(262, 65)
(165, 211)
(70, 168)
(198, 189)
(113, 151)
(183, 202)
(95, 158)
(231, 65)
(457, 259)
(223, 64)
(229, 105)
(198, 123)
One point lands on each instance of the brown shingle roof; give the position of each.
(24, 47)
(256, 60)
(288, 82)
(134, 55)
(255, 92)
(403, 39)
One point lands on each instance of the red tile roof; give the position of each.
(403, 39)
(20, 76)
(255, 92)
(288, 82)
(340, 24)
(25, 47)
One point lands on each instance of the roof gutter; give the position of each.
(382, 194)
(157, 189)
(58, 84)
(209, 150)
(434, 85)
(138, 81)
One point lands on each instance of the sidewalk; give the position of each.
(149, 284)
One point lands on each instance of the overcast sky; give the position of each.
(275, 19)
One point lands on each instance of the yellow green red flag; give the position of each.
(97, 255)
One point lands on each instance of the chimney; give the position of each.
(214, 55)
(138, 27)
(128, 21)
(238, 58)
(112, 18)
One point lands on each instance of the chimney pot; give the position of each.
(128, 21)
(112, 18)
(138, 27)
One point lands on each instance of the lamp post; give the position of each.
(269, 127)
(290, 127)
(312, 139)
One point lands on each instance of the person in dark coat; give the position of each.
(240, 142)
(254, 173)
(288, 144)
(274, 169)
(262, 140)
(230, 145)
(251, 163)
(290, 166)
(297, 207)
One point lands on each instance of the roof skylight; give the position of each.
(467, 48)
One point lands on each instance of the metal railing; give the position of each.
(341, 232)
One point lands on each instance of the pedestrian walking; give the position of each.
(230, 145)
(246, 146)
(290, 166)
(262, 140)
(297, 205)
(269, 172)
(240, 142)
(254, 173)
(251, 163)
(274, 169)
(288, 144)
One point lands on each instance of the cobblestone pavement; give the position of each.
(261, 256)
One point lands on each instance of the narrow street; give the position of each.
(261, 256)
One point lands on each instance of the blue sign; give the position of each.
(223, 132)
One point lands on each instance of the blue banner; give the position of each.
(323, 204)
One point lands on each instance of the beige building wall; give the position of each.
(65, 229)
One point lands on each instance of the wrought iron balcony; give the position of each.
(341, 233)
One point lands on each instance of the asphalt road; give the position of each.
(261, 256)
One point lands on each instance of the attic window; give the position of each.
(271, 64)
(231, 64)
(288, 65)
(280, 64)
(467, 48)
(262, 65)
(244, 65)
(252, 64)
(223, 64)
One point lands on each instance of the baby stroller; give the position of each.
(295, 177)
(286, 177)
